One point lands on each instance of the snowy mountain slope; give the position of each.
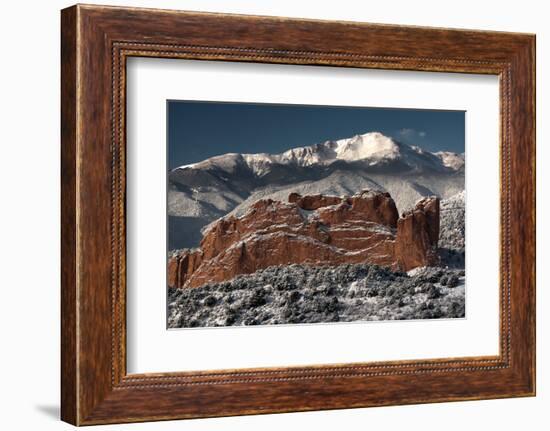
(372, 149)
(202, 192)
(336, 184)
(451, 160)
(452, 224)
(405, 191)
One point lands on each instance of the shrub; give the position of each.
(457, 309)
(452, 281)
(257, 299)
(372, 292)
(193, 323)
(294, 297)
(320, 304)
(250, 321)
(333, 304)
(330, 290)
(210, 301)
(434, 293)
(427, 287)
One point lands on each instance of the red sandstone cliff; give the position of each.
(417, 235)
(316, 230)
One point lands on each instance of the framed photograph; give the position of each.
(264, 215)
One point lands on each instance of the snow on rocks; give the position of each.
(307, 294)
(356, 229)
(453, 228)
(202, 192)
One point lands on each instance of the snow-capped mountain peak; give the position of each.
(372, 149)
(373, 146)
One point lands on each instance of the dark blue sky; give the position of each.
(198, 130)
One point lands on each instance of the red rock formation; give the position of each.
(374, 207)
(313, 202)
(417, 235)
(356, 229)
(181, 265)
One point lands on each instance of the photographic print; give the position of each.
(296, 214)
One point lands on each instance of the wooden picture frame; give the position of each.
(95, 43)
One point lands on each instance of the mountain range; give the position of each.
(200, 193)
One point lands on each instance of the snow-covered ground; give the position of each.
(305, 294)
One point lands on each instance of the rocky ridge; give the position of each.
(229, 184)
(312, 230)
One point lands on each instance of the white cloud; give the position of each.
(411, 133)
